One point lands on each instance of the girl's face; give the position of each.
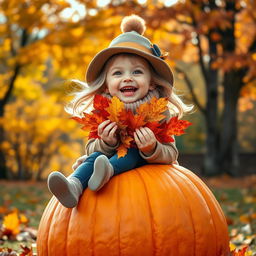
(128, 78)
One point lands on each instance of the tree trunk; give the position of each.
(210, 159)
(229, 155)
(210, 166)
(23, 42)
(3, 102)
(233, 82)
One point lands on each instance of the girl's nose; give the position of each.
(127, 79)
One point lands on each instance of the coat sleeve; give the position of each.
(98, 145)
(163, 154)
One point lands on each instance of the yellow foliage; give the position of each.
(6, 45)
(77, 32)
(23, 219)
(11, 223)
(38, 131)
(26, 88)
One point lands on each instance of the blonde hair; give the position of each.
(83, 99)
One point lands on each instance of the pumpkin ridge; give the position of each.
(179, 177)
(55, 227)
(207, 190)
(212, 204)
(49, 210)
(68, 213)
(118, 214)
(93, 232)
(67, 229)
(55, 205)
(171, 174)
(149, 207)
(205, 201)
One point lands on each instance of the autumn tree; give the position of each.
(228, 58)
(21, 31)
(36, 36)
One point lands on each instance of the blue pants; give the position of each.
(130, 161)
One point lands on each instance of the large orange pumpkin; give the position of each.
(158, 210)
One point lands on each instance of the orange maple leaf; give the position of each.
(122, 149)
(114, 109)
(153, 110)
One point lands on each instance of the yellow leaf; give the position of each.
(126, 140)
(115, 107)
(11, 223)
(23, 218)
(232, 246)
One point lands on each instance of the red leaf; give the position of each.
(177, 127)
(241, 252)
(26, 251)
(132, 121)
(163, 135)
(100, 104)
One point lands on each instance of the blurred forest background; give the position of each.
(45, 43)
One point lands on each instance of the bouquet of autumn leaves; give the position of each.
(149, 114)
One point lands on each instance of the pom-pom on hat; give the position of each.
(131, 41)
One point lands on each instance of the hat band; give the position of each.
(133, 45)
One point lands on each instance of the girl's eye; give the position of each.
(117, 73)
(137, 71)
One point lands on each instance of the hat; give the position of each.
(131, 41)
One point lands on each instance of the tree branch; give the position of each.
(4, 100)
(8, 93)
(190, 87)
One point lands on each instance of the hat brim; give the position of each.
(97, 63)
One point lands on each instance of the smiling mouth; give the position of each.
(128, 89)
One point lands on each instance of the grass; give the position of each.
(238, 204)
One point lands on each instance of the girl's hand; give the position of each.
(107, 132)
(79, 161)
(145, 140)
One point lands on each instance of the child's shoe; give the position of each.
(102, 173)
(67, 190)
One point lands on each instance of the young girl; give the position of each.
(133, 70)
